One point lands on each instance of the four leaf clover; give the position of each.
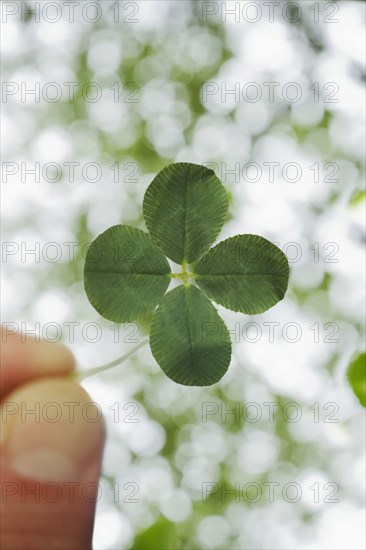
(127, 274)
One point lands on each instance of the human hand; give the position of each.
(51, 449)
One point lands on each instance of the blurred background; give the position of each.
(97, 98)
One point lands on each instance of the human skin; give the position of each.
(51, 458)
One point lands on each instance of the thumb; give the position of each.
(51, 449)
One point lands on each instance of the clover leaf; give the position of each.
(188, 338)
(126, 274)
(244, 273)
(185, 207)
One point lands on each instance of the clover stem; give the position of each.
(80, 375)
(184, 275)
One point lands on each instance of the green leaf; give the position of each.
(188, 338)
(244, 273)
(161, 535)
(184, 209)
(357, 377)
(125, 274)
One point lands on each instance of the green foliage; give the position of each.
(357, 377)
(244, 273)
(162, 535)
(188, 338)
(184, 209)
(127, 274)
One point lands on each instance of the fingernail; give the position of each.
(52, 436)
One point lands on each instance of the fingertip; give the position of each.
(52, 431)
(25, 358)
(52, 445)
